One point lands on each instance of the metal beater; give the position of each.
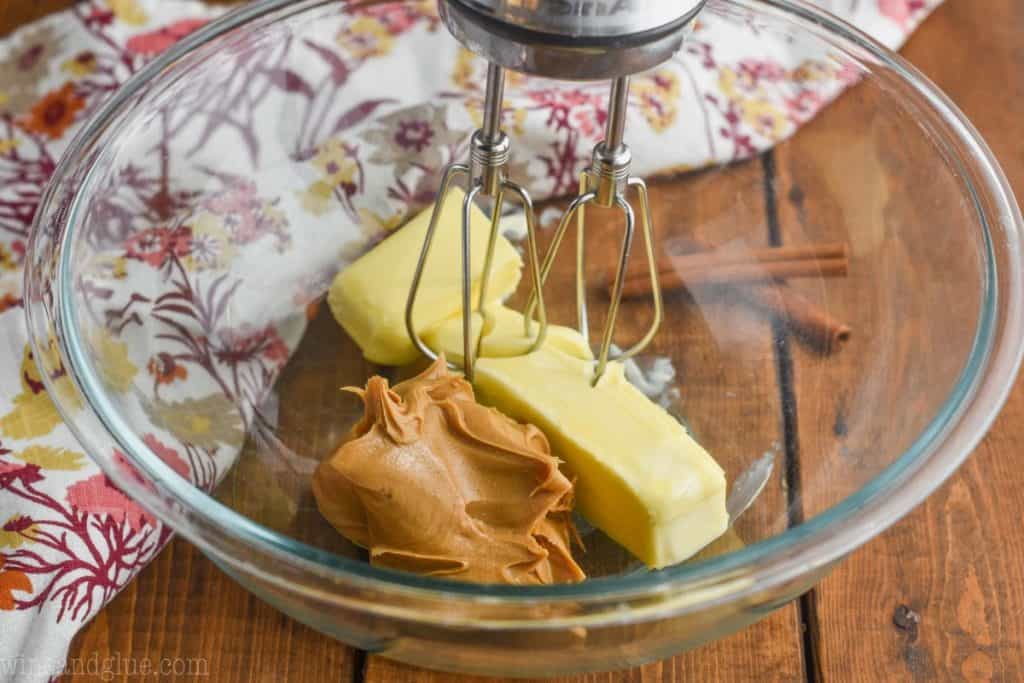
(569, 40)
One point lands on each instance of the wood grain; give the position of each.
(940, 596)
(182, 608)
(15, 13)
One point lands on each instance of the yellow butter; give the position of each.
(503, 336)
(368, 297)
(641, 478)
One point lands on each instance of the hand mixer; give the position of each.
(569, 40)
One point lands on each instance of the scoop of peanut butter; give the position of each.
(432, 482)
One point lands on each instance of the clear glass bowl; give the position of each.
(173, 370)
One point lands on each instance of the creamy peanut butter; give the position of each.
(432, 482)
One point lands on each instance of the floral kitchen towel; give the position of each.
(326, 156)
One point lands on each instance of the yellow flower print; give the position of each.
(518, 120)
(6, 144)
(373, 222)
(317, 198)
(365, 37)
(108, 266)
(755, 108)
(116, 370)
(16, 531)
(7, 261)
(273, 213)
(337, 168)
(334, 162)
(470, 73)
(475, 109)
(667, 82)
(812, 71)
(728, 81)
(464, 74)
(211, 244)
(81, 64)
(657, 94)
(128, 11)
(763, 116)
(205, 422)
(34, 414)
(49, 458)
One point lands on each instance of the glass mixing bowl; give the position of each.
(198, 218)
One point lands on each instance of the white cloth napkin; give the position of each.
(407, 98)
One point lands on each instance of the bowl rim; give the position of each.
(981, 390)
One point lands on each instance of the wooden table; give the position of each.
(938, 597)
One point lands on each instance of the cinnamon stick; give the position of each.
(808, 321)
(737, 266)
(758, 273)
(797, 252)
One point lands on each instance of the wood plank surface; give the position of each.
(940, 596)
(183, 610)
(15, 13)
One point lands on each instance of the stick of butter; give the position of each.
(641, 478)
(368, 297)
(503, 336)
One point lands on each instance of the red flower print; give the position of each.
(52, 115)
(30, 57)
(168, 455)
(414, 135)
(804, 105)
(567, 107)
(240, 196)
(274, 349)
(96, 495)
(17, 524)
(240, 346)
(9, 301)
(12, 472)
(11, 581)
(849, 73)
(155, 42)
(900, 11)
(165, 453)
(246, 215)
(165, 369)
(125, 465)
(754, 71)
(589, 122)
(100, 17)
(156, 245)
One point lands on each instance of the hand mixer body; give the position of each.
(565, 39)
(588, 18)
(572, 39)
